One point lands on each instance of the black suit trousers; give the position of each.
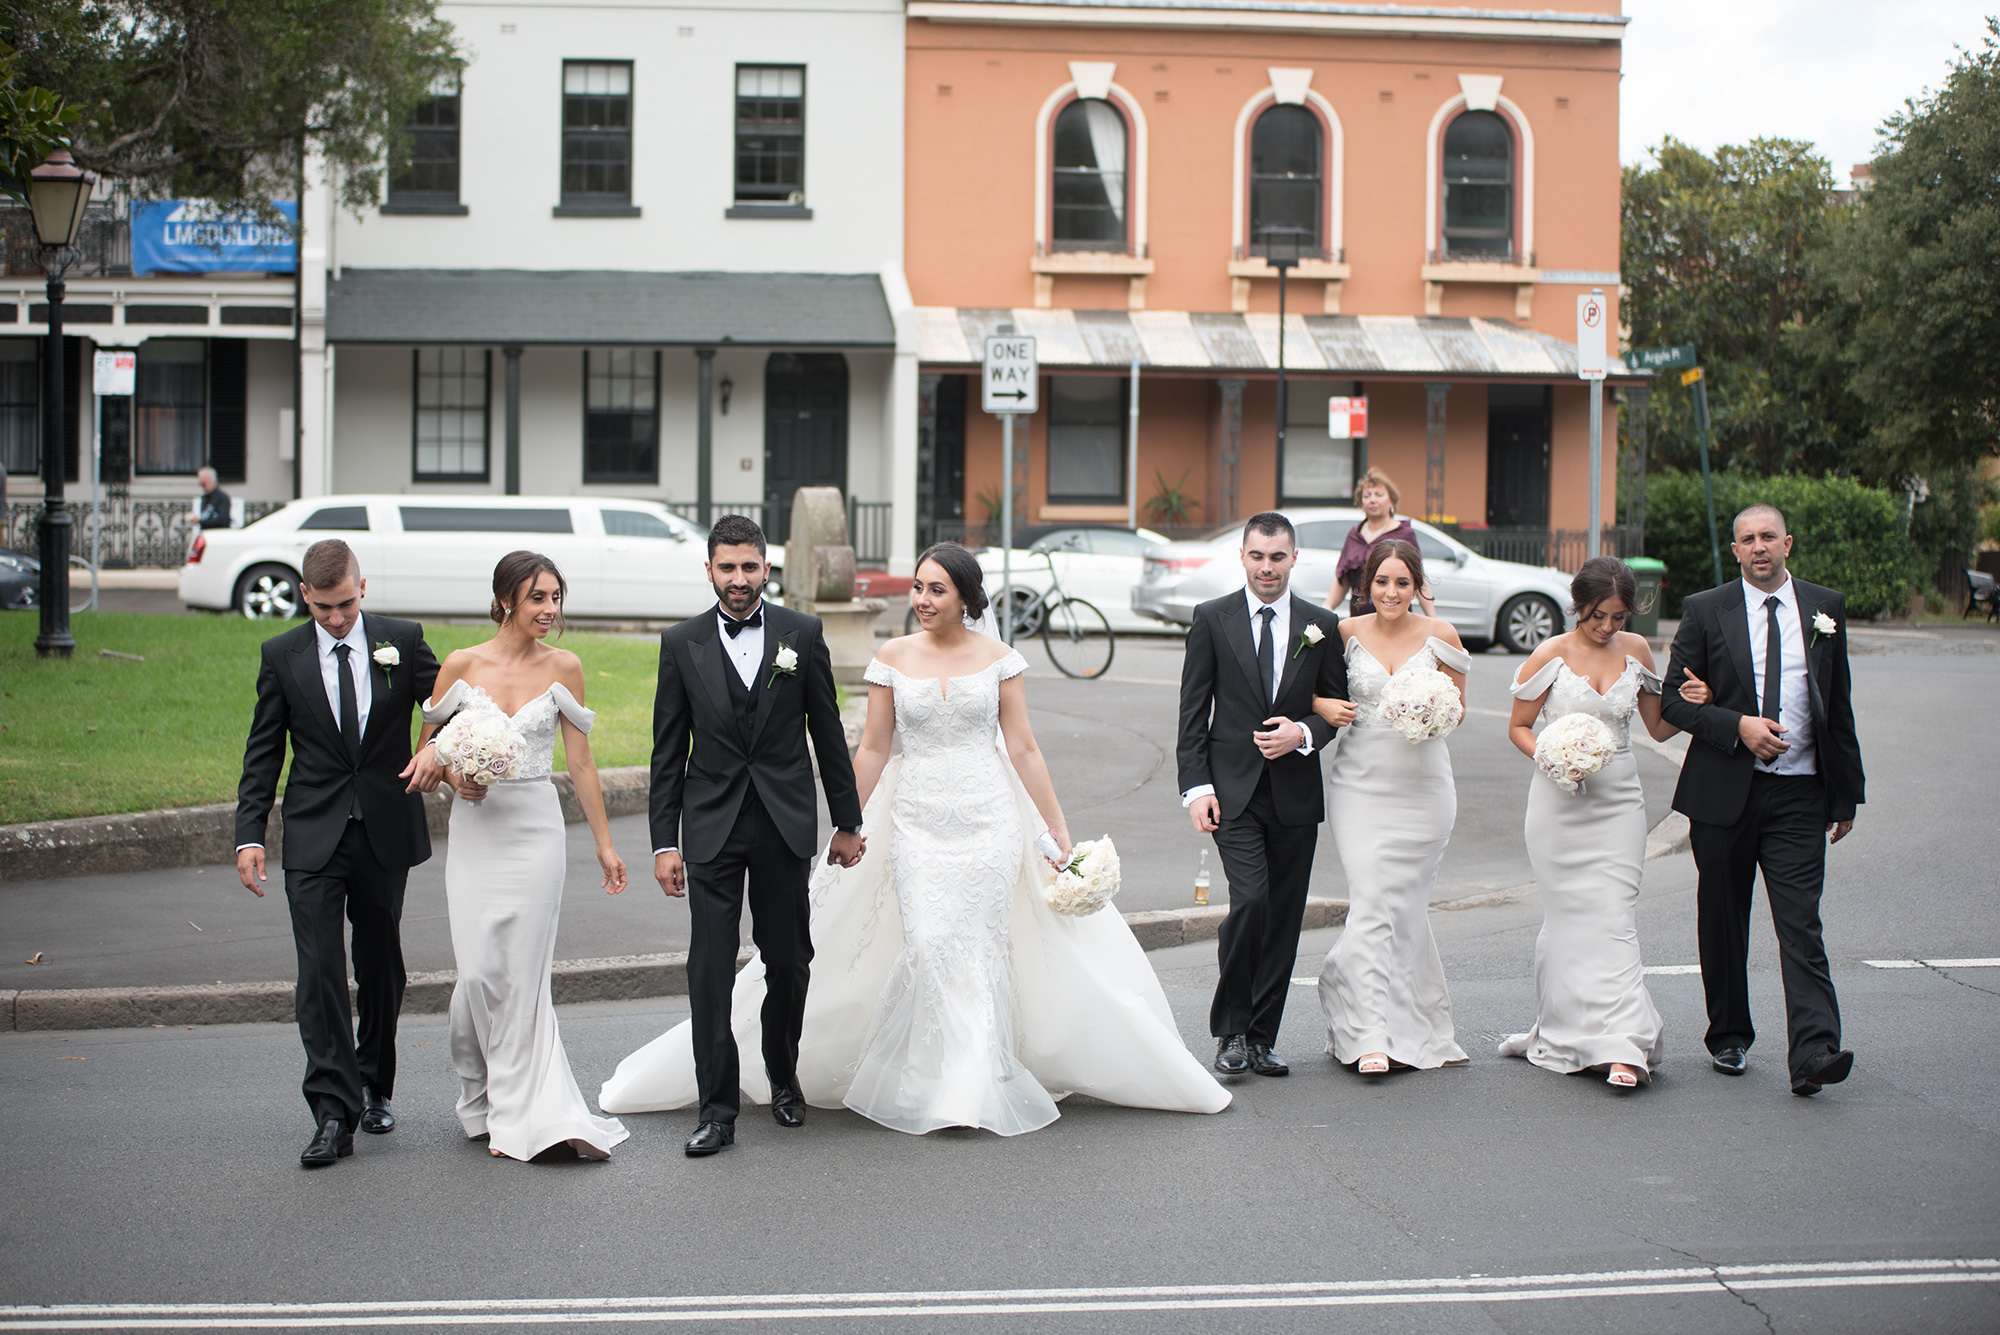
(1269, 866)
(780, 924)
(1783, 830)
(355, 886)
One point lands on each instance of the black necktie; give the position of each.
(1773, 658)
(735, 627)
(1267, 655)
(350, 711)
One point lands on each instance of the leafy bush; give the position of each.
(1847, 536)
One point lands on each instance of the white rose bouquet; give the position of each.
(1573, 748)
(483, 747)
(1087, 881)
(1422, 704)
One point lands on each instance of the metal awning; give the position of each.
(607, 306)
(1362, 346)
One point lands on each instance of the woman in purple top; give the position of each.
(1379, 523)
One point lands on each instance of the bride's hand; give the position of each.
(1694, 690)
(1061, 836)
(1338, 713)
(614, 870)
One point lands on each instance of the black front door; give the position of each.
(117, 456)
(805, 431)
(1517, 456)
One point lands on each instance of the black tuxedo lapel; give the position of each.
(765, 688)
(305, 670)
(379, 688)
(1731, 616)
(1301, 618)
(1815, 654)
(1236, 629)
(708, 662)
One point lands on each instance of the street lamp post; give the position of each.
(1281, 252)
(57, 192)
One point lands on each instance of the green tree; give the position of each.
(1720, 251)
(220, 99)
(32, 121)
(1917, 270)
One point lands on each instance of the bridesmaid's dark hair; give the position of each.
(516, 571)
(1396, 548)
(1603, 577)
(963, 569)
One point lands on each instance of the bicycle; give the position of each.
(1075, 634)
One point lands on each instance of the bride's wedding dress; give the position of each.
(503, 884)
(945, 991)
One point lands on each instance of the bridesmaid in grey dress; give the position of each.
(1391, 805)
(1588, 848)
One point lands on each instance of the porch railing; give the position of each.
(867, 522)
(1563, 548)
(136, 534)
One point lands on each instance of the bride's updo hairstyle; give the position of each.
(513, 576)
(962, 568)
(1394, 549)
(1603, 577)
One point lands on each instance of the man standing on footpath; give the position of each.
(213, 510)
(342, 690)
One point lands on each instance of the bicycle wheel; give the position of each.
(1027, 613)
(1078, 638)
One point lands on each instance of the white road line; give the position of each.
(1670, 969)
(1305, 982)
(1993, 963)
(1000, 1302)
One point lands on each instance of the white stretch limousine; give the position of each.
(434, 555)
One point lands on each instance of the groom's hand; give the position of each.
(846, 848)
(1765, 739)
(670, 872)
(1206, 813)
(250, 869)
(1284, 737)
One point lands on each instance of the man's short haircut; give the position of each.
(327, 563)
(735, 531)
(1758, 508)
(206, 475)
(1270, 523)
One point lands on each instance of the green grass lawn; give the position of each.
(94, 736)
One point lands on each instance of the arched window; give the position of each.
(1286, 160)
(1089, 177)
(1478, 187)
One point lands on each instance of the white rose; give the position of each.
(387, 656)
(1314, 634)
(1824, 624)
(786, 659)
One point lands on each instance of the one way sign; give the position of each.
(1009, 383)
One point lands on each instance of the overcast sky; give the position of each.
(1712, 72)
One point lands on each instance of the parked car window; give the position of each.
(1116, 542)
(345, 518)
(1327, 534)
(1434, 548)
(636, 524)
(482, 519)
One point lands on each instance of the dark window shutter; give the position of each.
(228, 377)
(73, 391)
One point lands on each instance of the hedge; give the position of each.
(1846, 536)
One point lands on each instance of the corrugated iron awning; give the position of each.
(1356, 345)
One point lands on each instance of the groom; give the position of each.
(1249, 775)
(732, 793)
(1772, 776)
(341, 691)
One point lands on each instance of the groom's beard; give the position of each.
(738, 599)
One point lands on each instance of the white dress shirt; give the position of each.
(1794, 699)
(329, 677)
(745, 651)
(1281, 650)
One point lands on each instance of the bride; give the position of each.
(945, 992)
(503, 877)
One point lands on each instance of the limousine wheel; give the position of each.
(269, 593)
(1526, 621)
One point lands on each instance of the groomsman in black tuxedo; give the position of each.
(1250, 775)
(341, 690)
(740, 690)
(1772, 776)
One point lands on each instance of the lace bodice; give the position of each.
(536, 719)
(937, 716)
(1366, 676)
(1572, 694)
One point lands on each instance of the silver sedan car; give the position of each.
(1489, 601)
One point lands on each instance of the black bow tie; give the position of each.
(735, 627)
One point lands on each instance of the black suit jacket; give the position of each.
(701, 765)
(291, 704)
(1714, 640)
(1222, 703)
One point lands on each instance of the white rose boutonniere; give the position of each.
(386, 657)
(784, 663)
(1308, 637)
(1823, 625)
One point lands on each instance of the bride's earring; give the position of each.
(967, 618)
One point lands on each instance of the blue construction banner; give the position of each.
(189, 236)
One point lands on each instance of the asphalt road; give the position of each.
(158, 1166)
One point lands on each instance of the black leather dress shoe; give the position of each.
(1266, 1062)
(709, 1138)
(788, 1107)
(1232, 1055)
(330, 1144)
(1731, 1061)
(377, 1117)
(1828, 1070)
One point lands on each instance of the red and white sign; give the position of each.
(1590, 362)
(1347, 418)
(115, 373)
